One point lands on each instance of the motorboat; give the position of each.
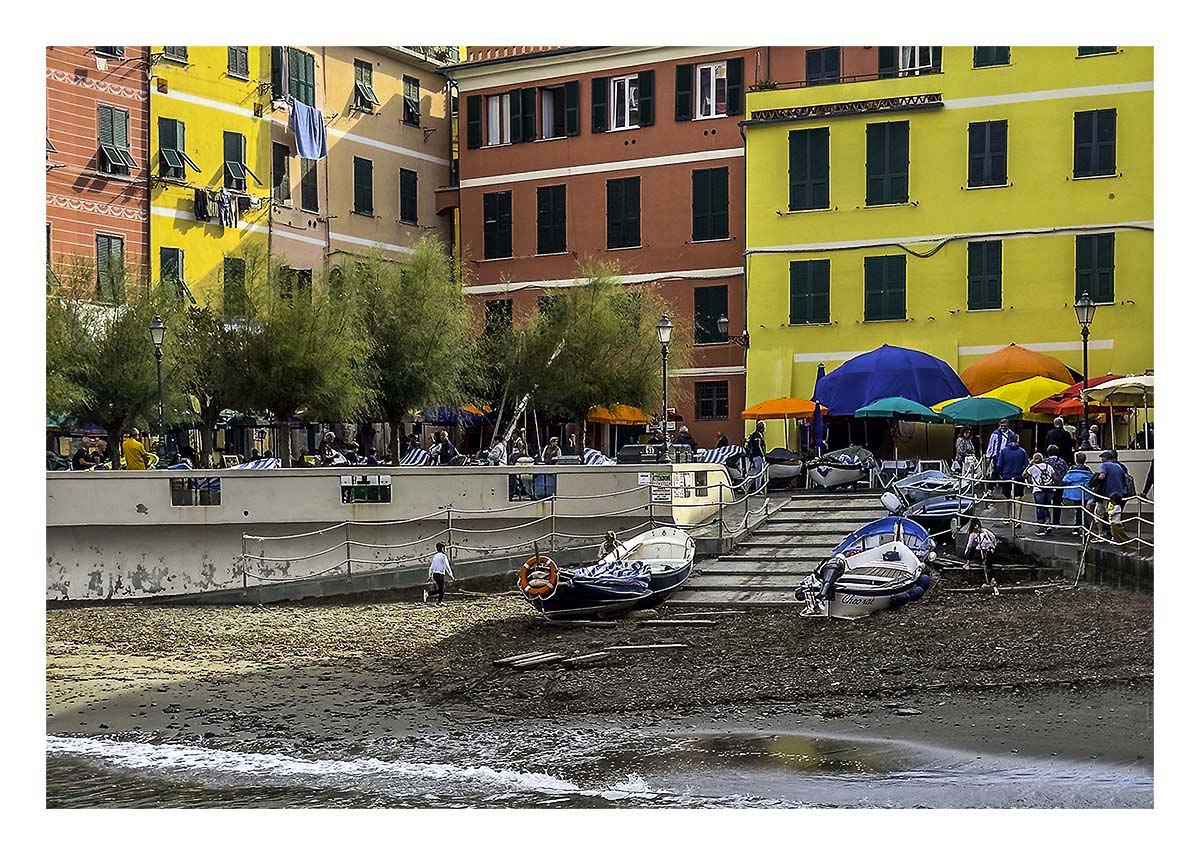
(842, 468)
(639, 573)
(937, 513)
(923, 485)
(784, 465)
(884, 564)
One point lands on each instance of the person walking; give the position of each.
(756, 450)
(439, 572)
(1116, 527)
(1093, 437)
(1010, 468)
(981, 542)
(1041, 477)
(133, 450)
(1074, 482)
(1060, 466)
(963, 448)
(997, 442)
(1058, 436)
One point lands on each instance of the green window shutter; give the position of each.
(514, 116)
(497, 224)
(408, 195)
(474, 121)
(277, 60)
(894, 302)
(884, 288)
(887, 163)
(646, 98)
(1094, 267)
(551, 219)
(624, 212)
(308, 184)
(809, 292)
(684, 79)
(364, 191)
(103, 270)
(733, 87)
(104, 122)
(529, 114)
(984, 270)
(239, 62)
(989, 56)
(302, 76)
(987, 161)
(281, 181)
(808, 169)
(889, 61)
(599, 104)
(571, 107)
(710, 302)
(1106, 142)
(110, 268)
(701, 205)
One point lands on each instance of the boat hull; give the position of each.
(831, 475)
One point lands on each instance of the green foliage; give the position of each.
(212, 353)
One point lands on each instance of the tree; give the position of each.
(304, 351)
(418, 328)
(214, 352)
(610, 352)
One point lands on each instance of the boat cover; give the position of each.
(724, 454)
(618, 576)
(855, 455)
(783, 455)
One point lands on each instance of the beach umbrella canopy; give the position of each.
(780, 408)
(1026, 393)
(886, 372)
(618, 414)
(1010, 365)
(1128, 391)
(897, 408)
(979, 410)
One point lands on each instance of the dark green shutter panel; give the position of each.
(684, 75)
(506, 223)
(733, 87)
(363, 190)
(514, 116)
(889, 61)
(474, 121)
(894, 304)
(599, 104)
(615, 222)
(876, 163)
(646, 98)
(105, 122)
(701, 205)
(103, 277)
(936, 58)
(166, 134)
(529, 114)
(277, 72)
(719, 188)
(571, 107)
(819, 292)
(120, 128)
(818, 167)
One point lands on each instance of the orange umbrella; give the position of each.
(782, 408)
(1010, 365)
(620, 414)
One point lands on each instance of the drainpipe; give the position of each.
(746, 262)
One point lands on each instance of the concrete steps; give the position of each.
(746, 581)
(779, 550)
(748, 597)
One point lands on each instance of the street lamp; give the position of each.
(723, 329)
(1085, 311)
(158, 332)
(663, 329)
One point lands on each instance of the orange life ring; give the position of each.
(539, 587)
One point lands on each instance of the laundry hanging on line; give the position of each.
(308, 126)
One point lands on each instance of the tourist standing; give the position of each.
(1010, 468)
(999, 439)
(1041, 478)
(134, 451)
(1074, 482)
(87, 455)
(327, 450)
(498, 453)
(1058, 436)
(551, 452)
(445, 448)
(439, 572)
(520, 448)
(756, 450)
(1058, 463)
(1116, 526)
(963, 448)
(1093, 437)
(685, 438)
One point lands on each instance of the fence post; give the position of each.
(449, 529)
(553, 524)
(349, 572)
(721, 514)
(242, 561)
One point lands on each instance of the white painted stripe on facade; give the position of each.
(718, 371)
(395, 149)
(828, 356)
(628, 279)
(209, 102)
(283, 233)
(181, 214)
(373, 244)
(610, 166)
(1049, 95)
(1040, 347)
(863, 243)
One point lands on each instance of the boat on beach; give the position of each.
(784, 465)
(881, 565)
(639, 573)
(842, 468)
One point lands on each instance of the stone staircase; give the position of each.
(766, 568)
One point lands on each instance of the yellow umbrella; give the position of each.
(1026, 393)
(937, 408)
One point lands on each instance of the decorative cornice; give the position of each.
(96, 85)
(73, 204)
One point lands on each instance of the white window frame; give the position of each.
(915, 65)
(713, 68)
(620, 112)
(499, 126)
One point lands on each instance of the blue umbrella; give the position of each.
(818, 422)
(887, 372)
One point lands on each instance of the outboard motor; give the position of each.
(829, 573)
(892, 502)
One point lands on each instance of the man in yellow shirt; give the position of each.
(134, 451)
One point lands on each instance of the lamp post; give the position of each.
(1085, 312)
(723, 329)
(663, 329)
(158, 332)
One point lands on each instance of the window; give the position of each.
(522, 107)
(364, 187)
(308, 184)
(497, 317)
(1095, 143)
(412, 101)
(624, 213)
(170, 270)
(984, 259)
(1094, 267)
(110, 268)
(497, 225)
(1083, 51)
(499, 125)
(190, 492)
(712, 400)
(293, 283)
(366, 489)
(823, 65)
(711, 301)
(236, 169)
(551, 306)
(985, 57)
(711, 90)
(809, 292)
(281, 179)
(552, 219)
(710, 204)
(624, 103)
(987, 154)
(408, 196)
(118, 51)
(364, 89)
(113, 134)
(239, 62)
(233, 296)
(554, 112)
(884, 292)
(808, 170)
(172, 157)
(177, 53)
(909, 61)
(887, 163)
(294, 74)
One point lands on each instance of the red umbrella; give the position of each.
(1066, 402)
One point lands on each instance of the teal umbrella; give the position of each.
(979, 410)
(897, 408)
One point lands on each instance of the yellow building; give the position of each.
(209, 136)
(952, 200)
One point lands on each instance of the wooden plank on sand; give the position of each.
(538, 660)
(646, 647)
(677, 622)
(585, 659)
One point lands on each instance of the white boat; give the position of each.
(784, 465)
(840, 468)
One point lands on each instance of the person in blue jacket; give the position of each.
(1010, 468)
(1075, 479)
